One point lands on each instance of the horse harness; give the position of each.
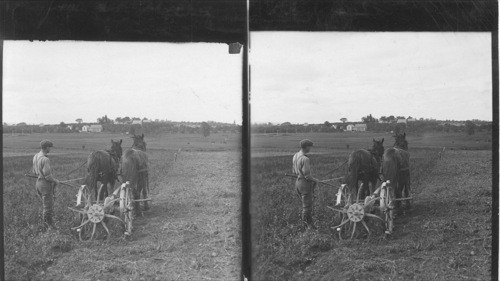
(116, 158)
(400, 170)
(371, 168)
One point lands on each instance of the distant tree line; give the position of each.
(382, 124)
(150, 128)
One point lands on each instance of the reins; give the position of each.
(341, 165)
(81, 165)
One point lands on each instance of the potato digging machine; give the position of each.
(92, 213)
(354, 211)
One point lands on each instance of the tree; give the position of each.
(368, 119)
(327, 124)
(343, 119)
(62, 125)
(391, 118)
(126, 119)
(286, 124)
(118, 120)
(79, 120)
(400, 117)
(383, 118)
(103, 120)
(470, 127)
(205, 129)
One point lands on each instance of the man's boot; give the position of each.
(48, 221)
(308, 221)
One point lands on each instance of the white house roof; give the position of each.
(362, 125)
(401, 121)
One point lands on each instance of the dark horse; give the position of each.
(102, 166)
(396, 168)
(364, 165)
(134, 169)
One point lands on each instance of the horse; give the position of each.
(364, 165)
(102, 166)
(134, 169)
(396, 168)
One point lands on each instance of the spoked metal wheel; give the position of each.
(354, 213)
(90, 215)
(387, 206)
(127, 208)
(84, 229)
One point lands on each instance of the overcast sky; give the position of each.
(50, 82)
(323, 76)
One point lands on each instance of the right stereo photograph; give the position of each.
(371, 155)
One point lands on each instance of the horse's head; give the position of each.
(116, 147)
(400, 141)
(139, 142)
(378, 147)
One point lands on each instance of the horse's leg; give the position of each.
(354, 191)
(406, 190)
(366, 190)
(137, 195)
(398, 194)
(94, 189)
(145, 191)
(111, 187)
(372, 183)
(104, 189)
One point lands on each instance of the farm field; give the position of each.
(191, 231)
(445, 236)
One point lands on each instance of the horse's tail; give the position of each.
(129, 171)
(92, 171)
(353, 167)
(390, 167)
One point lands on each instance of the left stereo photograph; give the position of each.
(121, 160)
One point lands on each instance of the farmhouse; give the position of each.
(359, 128)
(401, 121)
(356, 127)
(95, 128)
(85, 128)
(136, 122)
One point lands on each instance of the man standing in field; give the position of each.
(305, 182)
(45, 183)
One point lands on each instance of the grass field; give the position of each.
(445, 236)
(190, 233)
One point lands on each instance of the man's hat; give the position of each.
(305, 143)
(46, 143)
